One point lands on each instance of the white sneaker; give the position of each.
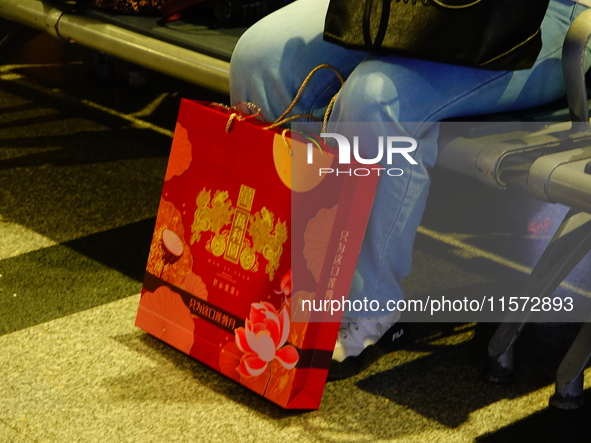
(361, 341)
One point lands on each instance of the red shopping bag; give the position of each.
(248, 234)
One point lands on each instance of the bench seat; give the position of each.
(552, 162)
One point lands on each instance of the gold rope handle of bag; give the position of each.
(282, 119)
(236, 115)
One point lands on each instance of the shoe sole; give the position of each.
(389, 342)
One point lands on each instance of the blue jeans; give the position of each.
(386, 93)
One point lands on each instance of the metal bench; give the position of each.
(552, 163)
(192, 53)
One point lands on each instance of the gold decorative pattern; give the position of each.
(268, 238)
(211, 215)
(236, 237)
(245, 198)
(240, 237)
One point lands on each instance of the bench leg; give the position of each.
(569, 378)
(570, 244)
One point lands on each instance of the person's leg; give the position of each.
(401, 96)
(390, 95)
(276, 54)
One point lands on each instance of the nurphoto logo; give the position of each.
(388, 147)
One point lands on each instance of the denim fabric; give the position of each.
(387, 94)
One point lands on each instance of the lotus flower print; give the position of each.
(263, 338)
(285, 285)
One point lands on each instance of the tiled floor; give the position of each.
(81, 168)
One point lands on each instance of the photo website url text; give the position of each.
(434, 306)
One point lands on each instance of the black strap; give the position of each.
(382, 28)
(367, 23)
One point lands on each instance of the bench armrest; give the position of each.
(573, 63)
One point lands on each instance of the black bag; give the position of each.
(225, 12)
(135, 7)
(491, 34)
